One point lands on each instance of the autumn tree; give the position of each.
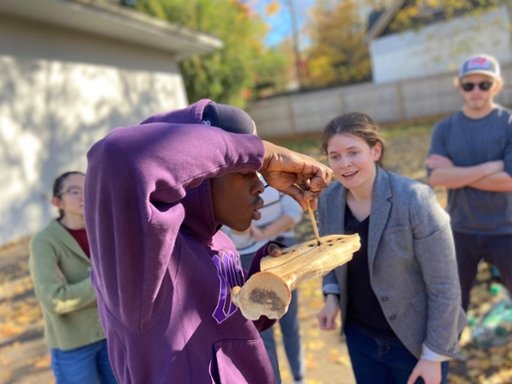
(270, 73)
(227, 75)
(337, 53)
(271, 65)
(416, 13)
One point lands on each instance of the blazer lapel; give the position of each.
(337, 213)
(379, 213)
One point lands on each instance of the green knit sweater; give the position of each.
(61, 273)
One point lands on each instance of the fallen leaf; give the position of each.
(345, 361)
(310, 362)
(45, 362)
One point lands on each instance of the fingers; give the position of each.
(296, 193)
(302, 196)
(274, 250)
(313, 204)
(429, 371)
(282, 168)
(414, 376)
(326, 323)
(270, 150)
(327, 318)
(320, 178)
(322, 321)
(289, 184)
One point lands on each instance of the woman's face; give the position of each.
(71, 196)
(352, 160)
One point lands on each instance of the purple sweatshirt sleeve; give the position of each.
(135, 180)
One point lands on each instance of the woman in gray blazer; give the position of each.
(399, 296)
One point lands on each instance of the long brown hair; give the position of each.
(357, 124)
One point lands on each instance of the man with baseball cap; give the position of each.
(471, 155)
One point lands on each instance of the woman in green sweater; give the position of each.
(60, 266)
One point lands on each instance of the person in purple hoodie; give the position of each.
(156, 195)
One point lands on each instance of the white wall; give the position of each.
(440, 47)
(60, 91)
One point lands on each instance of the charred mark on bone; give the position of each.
(267, 298)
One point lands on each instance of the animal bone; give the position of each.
(269, 292)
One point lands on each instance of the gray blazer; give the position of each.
(411, 257)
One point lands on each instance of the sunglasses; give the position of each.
(484, 86)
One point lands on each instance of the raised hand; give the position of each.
(286, 170)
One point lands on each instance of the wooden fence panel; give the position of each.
(308, 112)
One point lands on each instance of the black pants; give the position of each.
(471, 249)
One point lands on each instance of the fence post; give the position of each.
(291, 117)
(400, 101)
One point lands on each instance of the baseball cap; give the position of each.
(228, 118)
(482, 64)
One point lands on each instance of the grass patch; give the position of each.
(313, 142)
(302, 144)
(401, 131)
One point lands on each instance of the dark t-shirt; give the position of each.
(469, 142)
(363, 307)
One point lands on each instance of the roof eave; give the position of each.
(115, 22)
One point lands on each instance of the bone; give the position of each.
(269, 292)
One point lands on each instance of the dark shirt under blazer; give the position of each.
(411, 258)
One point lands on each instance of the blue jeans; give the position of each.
(380, 360)
(289, 328)
(88, 364)
(291, 339)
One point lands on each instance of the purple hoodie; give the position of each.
(163, 272)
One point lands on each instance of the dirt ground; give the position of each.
(24, 358)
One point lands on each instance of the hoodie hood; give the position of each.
(199, 222)
(191, 115)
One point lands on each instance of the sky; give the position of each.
(280, 23)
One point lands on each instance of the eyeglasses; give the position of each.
(484, 86)
(73, 191)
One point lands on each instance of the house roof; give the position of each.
(112, 21)
(384, 20)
